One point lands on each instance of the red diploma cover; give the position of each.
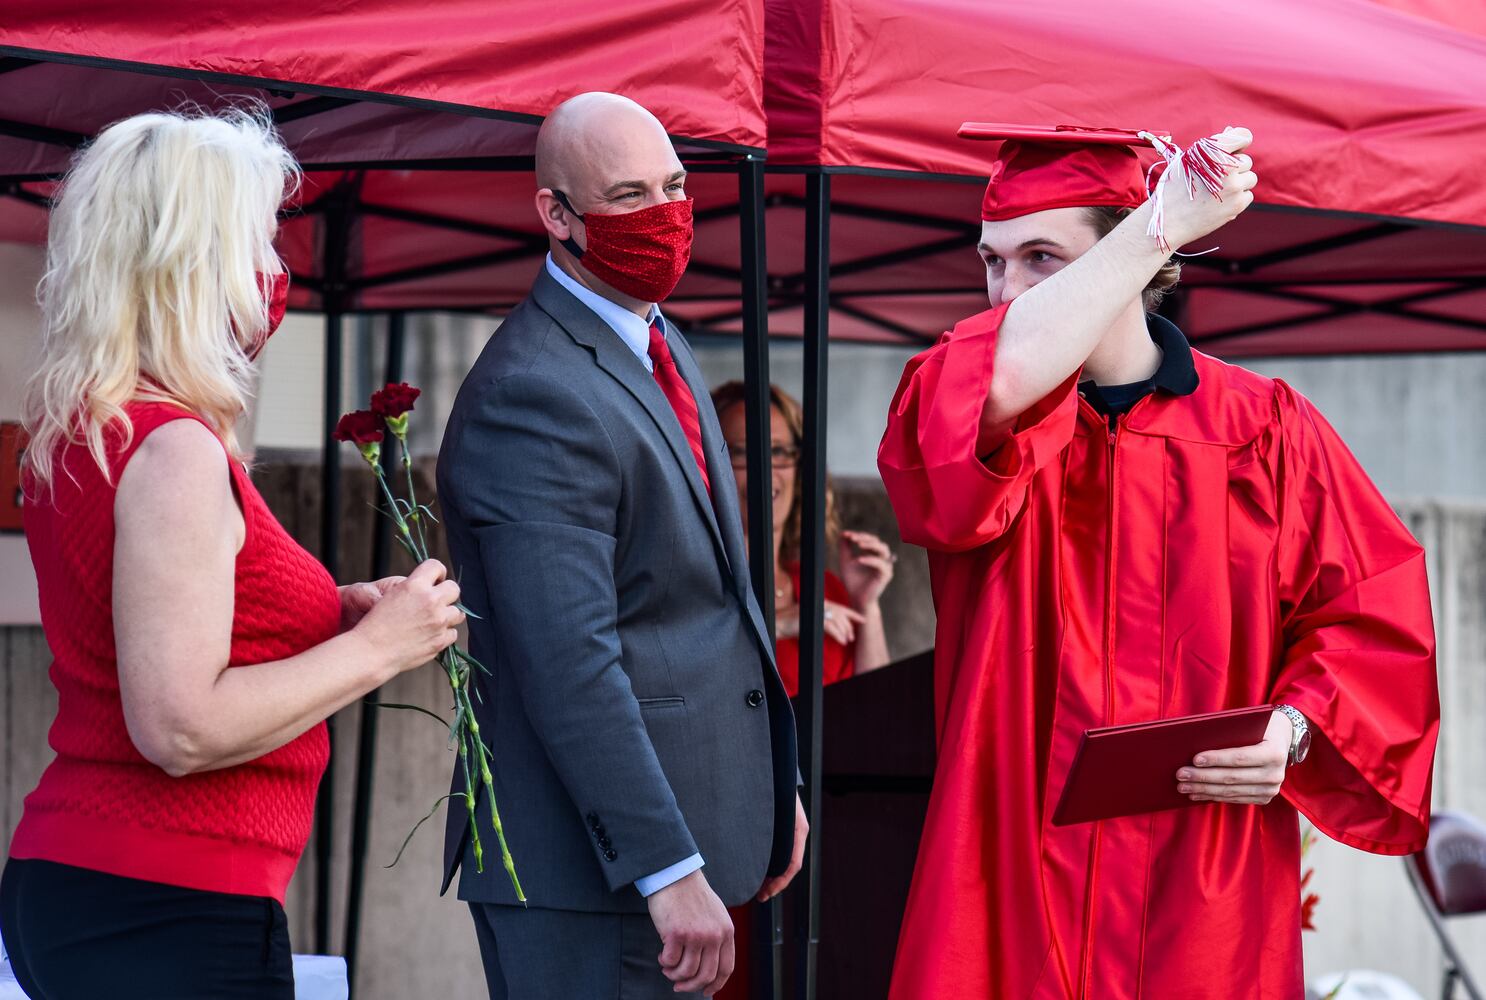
(1126, 770)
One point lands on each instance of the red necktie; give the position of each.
(678, 393)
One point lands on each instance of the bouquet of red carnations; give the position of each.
(390, 408)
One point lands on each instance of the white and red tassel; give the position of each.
(1203, 164)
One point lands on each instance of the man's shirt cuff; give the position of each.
(651, 884)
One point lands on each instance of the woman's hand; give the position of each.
(840, 622)
(866, 567)
(1243, 775)
(415, 619)
(357, 598)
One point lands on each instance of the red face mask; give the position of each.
(642, 253)
(275, 289)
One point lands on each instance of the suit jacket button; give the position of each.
(593, 820)
(610, 855)
(605, 843)
(755, 698)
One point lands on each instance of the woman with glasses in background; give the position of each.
(855, 640)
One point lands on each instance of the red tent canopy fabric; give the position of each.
(1355, 107)
(421, 123)
(1370, 124)
(903, 263)
(425, 120)
(1465, 15)
(880, 102)
(379, 80)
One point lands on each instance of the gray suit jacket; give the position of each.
(633, 709)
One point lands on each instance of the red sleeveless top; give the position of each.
(839, 662)
(100, 804)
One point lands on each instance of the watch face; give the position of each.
(1302, 746)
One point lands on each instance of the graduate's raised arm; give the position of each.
(944, 495)
(1050, 330)
(977, 415)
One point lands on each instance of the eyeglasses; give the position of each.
(781, 456)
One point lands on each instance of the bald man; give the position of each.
(644, 746)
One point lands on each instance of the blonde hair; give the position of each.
(151, 291)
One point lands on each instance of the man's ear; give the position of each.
(554, 217)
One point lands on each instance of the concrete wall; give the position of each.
(862, 378)
(439, 351)
(1367, 917)
(1414, 421)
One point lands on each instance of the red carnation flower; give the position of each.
(395, 400)
(1308, 912)
(359, 427)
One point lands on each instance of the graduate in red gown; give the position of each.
(1122, 529)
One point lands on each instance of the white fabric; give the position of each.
(651, 884)
(316, 977)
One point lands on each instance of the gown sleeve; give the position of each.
(946, 496)
(1358, 656)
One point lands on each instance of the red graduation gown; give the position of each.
(1218, 550)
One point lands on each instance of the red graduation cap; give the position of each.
(1064, 166)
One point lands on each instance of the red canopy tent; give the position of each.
(408, 121)
(391, 58)
(1368, 120)
(1369, 125)
(462, 91)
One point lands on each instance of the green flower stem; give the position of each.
(409, 838)
(469, 802)
(405, 536)
(483, 756)
(411, 708)
(464, 733)
(407, 468)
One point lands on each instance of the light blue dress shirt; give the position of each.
(635, 332)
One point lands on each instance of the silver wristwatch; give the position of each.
(1300, 741)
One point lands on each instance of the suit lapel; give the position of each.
(615, 357)
(724, 489)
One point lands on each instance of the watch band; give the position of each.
(1300, 730)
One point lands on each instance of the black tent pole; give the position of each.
(366, 739)
(812, 566)
(337, 238)
(768, 933)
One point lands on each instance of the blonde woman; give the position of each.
(198, 649)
